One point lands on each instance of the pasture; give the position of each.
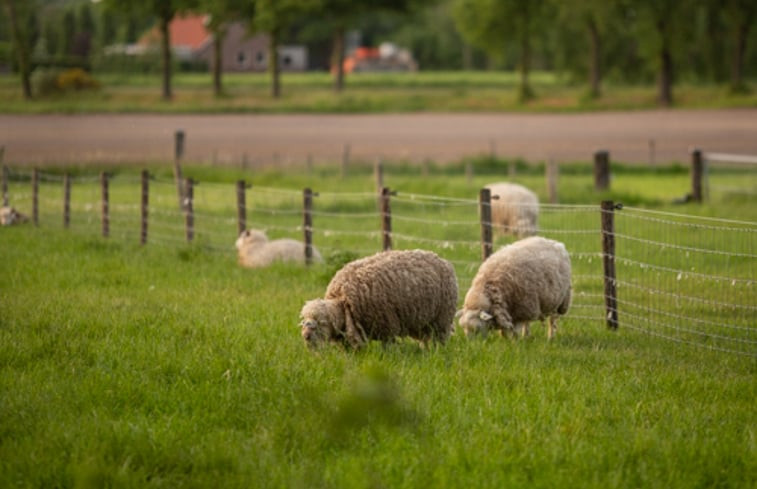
(167, 365)
(465, 91)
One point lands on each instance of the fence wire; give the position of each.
(684, 279)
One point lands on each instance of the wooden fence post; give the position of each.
(5, 185)
(601, 170)
(105, 207)
(386, 219)
(608, 260)
(35, 197)
(144, 207)
(485, 210)
(177, 157)
(189, 217)
(241, 206)
(307, 223)
(66, 200)
(697, 172)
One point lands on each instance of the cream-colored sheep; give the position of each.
(527, 280)
(381, 297)
(9, 216)
(254, 250)
(515, 209)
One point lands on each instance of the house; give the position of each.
(191, 41)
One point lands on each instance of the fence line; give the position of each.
(690, 280)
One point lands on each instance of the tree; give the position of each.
(740, 17)
(17, 11)
(661, 31)
(221, 13)
(274, 17)
(165, 11)
(593, 17)
(491, 24)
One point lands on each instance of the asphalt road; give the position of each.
(637, 137)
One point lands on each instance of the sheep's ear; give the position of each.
(485, 316)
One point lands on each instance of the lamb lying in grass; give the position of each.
(381, 297)
(522, 282)
(254, 250)
(9, 216)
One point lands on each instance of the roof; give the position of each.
(187, 32)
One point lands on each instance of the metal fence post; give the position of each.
(188, 208)
(386, 219)
(608, 261)
(241, 206)
(144, 207)
(307, 223)
(485, 210)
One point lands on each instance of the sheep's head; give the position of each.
(476, 321)
(321, 321)
(250, 237)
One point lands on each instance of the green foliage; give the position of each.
(51, 81)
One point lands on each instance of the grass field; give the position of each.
(169, 366)
(365, 92)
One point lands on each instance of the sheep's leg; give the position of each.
(521, 330)
(552, 329)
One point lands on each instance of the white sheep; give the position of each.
(384, 296)
(527, 280)
(515, 209)
(254, 250)
(9, 216)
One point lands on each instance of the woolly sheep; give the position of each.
(527, 280)
(515, 209)
(381, 297)
(9, 216)
(254, 250)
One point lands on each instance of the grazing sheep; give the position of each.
(9, 216)
(390, 294)
(515, 209)
(521, 282)
(254, 250)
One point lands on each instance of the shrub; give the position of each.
(50, 81)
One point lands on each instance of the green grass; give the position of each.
(365, 92)
(170, 366)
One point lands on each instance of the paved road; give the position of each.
(289, 139)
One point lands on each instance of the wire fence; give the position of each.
(684, 279)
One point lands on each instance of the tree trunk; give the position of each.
(665, 84)
(165, 44)
(337, 57)
(218, 36)
(737, 64)
(595, 73)
(525, 68)
(22, 50)
(273, 60)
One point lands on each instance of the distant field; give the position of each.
(167, 365)
(365, 92)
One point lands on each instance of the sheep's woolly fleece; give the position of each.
(254, 250)
(381, 297)
(515, 209)
(522, 282)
